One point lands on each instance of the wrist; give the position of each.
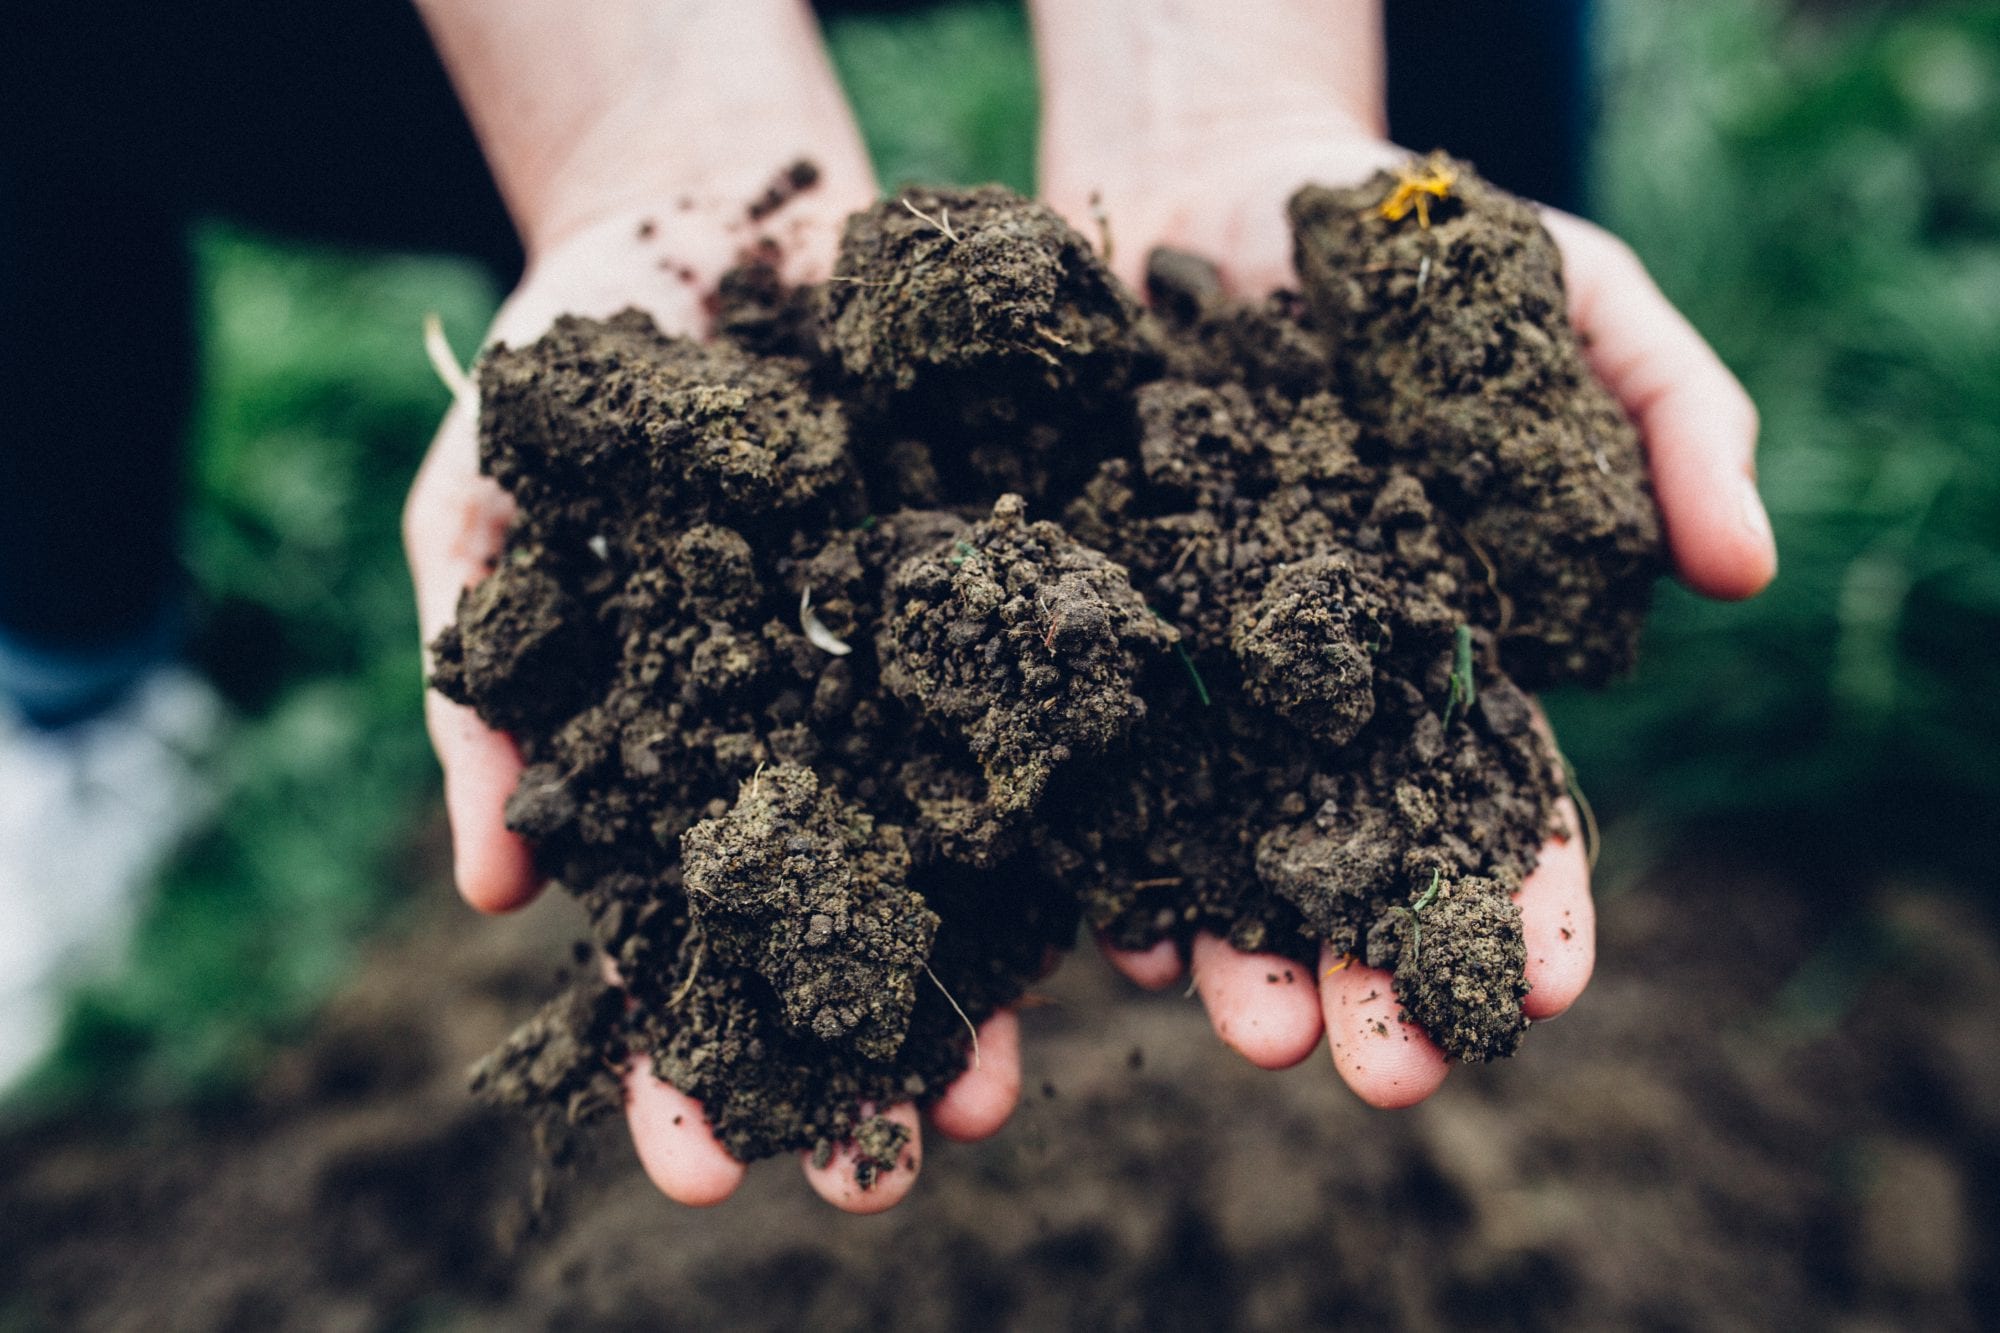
(666, 253)
(586, 112)
(692, 171)
(1166, 82)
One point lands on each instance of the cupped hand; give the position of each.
(663, 255)
(1217, 187)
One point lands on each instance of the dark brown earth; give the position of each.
(859, 654)
(1778, 1106)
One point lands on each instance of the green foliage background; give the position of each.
(1821, 194)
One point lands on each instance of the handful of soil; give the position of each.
(859, 654)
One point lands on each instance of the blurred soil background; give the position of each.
(1779, 1105)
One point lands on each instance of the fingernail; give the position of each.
(1756, 521)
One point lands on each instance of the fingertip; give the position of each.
(495, 873)
(1154, 968)
(493, 866)
(676, 1148)
(1387, 1062)
(1701, 438)
(837, 1183)
(1723, 546)
(979, 1101)
(1262, 1006)
(1558, 926)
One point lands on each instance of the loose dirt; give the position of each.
(1822, 1155)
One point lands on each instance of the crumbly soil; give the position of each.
(860, 653)
(1822, 1155)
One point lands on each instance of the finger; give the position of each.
(1558, 924)
(494, 869)
(1699, 425)
(1263, 1006)
(1154, 969)
(836, 1183)
(979, 1102)
(676, 1148)
(454, 522)
(1387, 1062)
(452, 528)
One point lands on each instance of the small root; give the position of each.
(1593, 839)
(960, 1011)
(942, 222)
(1187, 549)
(700, 952)
(1500, 599)
(445, 363)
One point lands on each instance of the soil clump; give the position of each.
(858, 655)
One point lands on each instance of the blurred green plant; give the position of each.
(315, 405)
(1821, 194)
(946, 95)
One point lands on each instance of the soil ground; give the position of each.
(1742, 1124)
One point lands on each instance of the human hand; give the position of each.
(1190, 127)
(638, 198)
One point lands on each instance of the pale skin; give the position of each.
(1188, 124)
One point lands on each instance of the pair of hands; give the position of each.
(621, 196)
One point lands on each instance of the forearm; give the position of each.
(1166, 77)
(587, 108)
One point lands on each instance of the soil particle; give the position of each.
(938, 605)
(555, 1058)
(786, 186)
(612, 421)
(1458, 966)
(979, 303)
(878, 1144)
(812, 896)
(1304, 646)
(516, 628)
(1024, 645)
(1181, 286)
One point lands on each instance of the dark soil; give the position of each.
(858, 654)
(1778, 1106)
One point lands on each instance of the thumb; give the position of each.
(1699, 426)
